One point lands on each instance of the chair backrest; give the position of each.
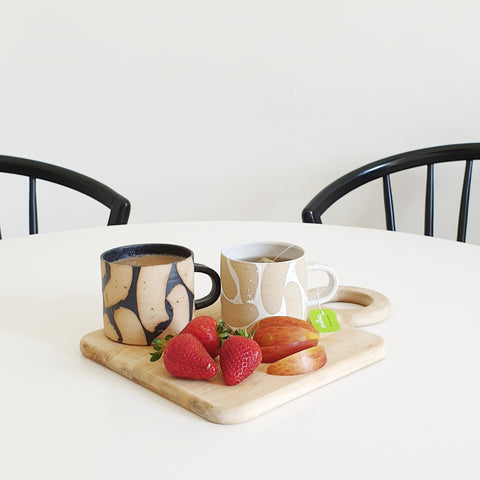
(383, 168)
(119, 206)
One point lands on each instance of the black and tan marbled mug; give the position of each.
(148, 291)
(263, 279)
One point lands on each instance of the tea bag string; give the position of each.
(317, 288)
(283, 251)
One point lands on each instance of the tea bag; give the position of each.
(269, 260)
(266, 260)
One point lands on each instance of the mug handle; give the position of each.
(215, 291)
(331, 288)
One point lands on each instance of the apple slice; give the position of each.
(266, 336)
(284, 321)
(305, 361)
(279, 337)
(272, 353)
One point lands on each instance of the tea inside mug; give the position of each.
(266, 259)
(264, 252)
(148, 254)
(149, 260)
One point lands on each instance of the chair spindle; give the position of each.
(32, 206)
(388, 201)
(463, 215)
(429, 201)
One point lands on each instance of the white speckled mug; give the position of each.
(148, 291)
(263, 279)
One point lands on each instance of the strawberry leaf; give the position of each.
(159, 345)
(223, 331)
(243, 333)
(155, 356)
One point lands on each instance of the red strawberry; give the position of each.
(239, 357)
(205, 329)
(185, 357)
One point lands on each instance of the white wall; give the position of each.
(234, 109)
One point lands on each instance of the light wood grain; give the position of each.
(348, 350)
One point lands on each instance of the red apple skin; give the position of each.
(276, 335)
(273, 353)
(305, 361)
(284, 321)
(281, 336)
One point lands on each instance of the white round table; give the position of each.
(414, 414)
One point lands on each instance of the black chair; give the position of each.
(119, 206)
(383, 168)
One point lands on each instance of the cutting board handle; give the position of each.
(375, 306)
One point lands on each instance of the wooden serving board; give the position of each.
(348, 350)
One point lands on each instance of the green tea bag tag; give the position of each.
(324, 320)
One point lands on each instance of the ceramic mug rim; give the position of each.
(228, 252)
(139, 249)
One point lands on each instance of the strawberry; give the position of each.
(239, 357)
(205, 329)
(184, 356)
